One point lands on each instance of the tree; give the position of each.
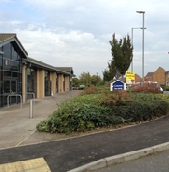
(110, 73)
(75, 82)
(85, 78)
(122, 53)
(96, 80)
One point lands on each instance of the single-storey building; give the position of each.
(22, 77)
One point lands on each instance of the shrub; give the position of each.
(87, 112)
(91, 89)
(146, 88)
(115, 97)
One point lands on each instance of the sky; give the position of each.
(76, 33)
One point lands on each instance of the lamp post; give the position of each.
(142, 12)
(132, 43)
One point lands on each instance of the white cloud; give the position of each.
(77, 33)
(80, 50)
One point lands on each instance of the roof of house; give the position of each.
(5, 38)
(149, 75)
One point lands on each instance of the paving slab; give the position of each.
(33, 165)
(21, 142)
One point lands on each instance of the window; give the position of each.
(13, 86)
(14, 54)
(1, 92)
(6, 86)
(7, 51)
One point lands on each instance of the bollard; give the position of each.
(31, 110)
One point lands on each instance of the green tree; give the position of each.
(96, 80)
(109, 74)
(85, 78)
(122, 53)
(75, 82)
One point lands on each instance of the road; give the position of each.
(152, 163)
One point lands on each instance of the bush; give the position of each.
(91, 89)
(145, 88)
(105, 109)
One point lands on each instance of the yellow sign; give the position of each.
(130, 77)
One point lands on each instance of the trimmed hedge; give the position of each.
(91, 111)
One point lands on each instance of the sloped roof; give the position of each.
(149, 75)
(10, 37)
(67, 69)
(160, 68)
(5, 38)
(63, 70)
(40, 64)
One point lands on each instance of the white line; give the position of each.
(24, 139)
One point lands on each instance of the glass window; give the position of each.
(6, 86)
(14, 54)
(14, 74)
(1, 75)
(13, 86)
(7, 73)
(1, 62)
(1, 92)
(19, 87)
(1, 55)
(7, 51)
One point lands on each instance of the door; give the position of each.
(10, 88)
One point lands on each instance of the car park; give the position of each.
(148, 84)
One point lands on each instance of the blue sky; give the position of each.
(76, 33)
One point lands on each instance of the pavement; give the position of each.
(20, 143)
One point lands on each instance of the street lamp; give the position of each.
(132, 69)
(142, 12)
(132, 43)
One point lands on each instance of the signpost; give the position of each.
(130, 77)
(117, 85)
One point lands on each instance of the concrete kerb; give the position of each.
(116, 159)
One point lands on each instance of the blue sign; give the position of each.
(117, 85)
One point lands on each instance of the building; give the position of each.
(157, 76)
(22, 77)
(138, 78)
(167, 78)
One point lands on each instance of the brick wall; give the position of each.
(159, 75)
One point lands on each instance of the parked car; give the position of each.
(82, 87)
(148, 84)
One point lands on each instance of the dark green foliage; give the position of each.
(109, 74)
(106, 109)
(122, 53)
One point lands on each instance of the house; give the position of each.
(157, 76)
(167, 78)
(137, 78)
(22, 77)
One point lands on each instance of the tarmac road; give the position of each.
(68, 154)
(152, 163)
(17, 129)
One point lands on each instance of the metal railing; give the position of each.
(32, 94)
(14, 95)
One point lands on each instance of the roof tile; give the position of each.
(6, 36)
